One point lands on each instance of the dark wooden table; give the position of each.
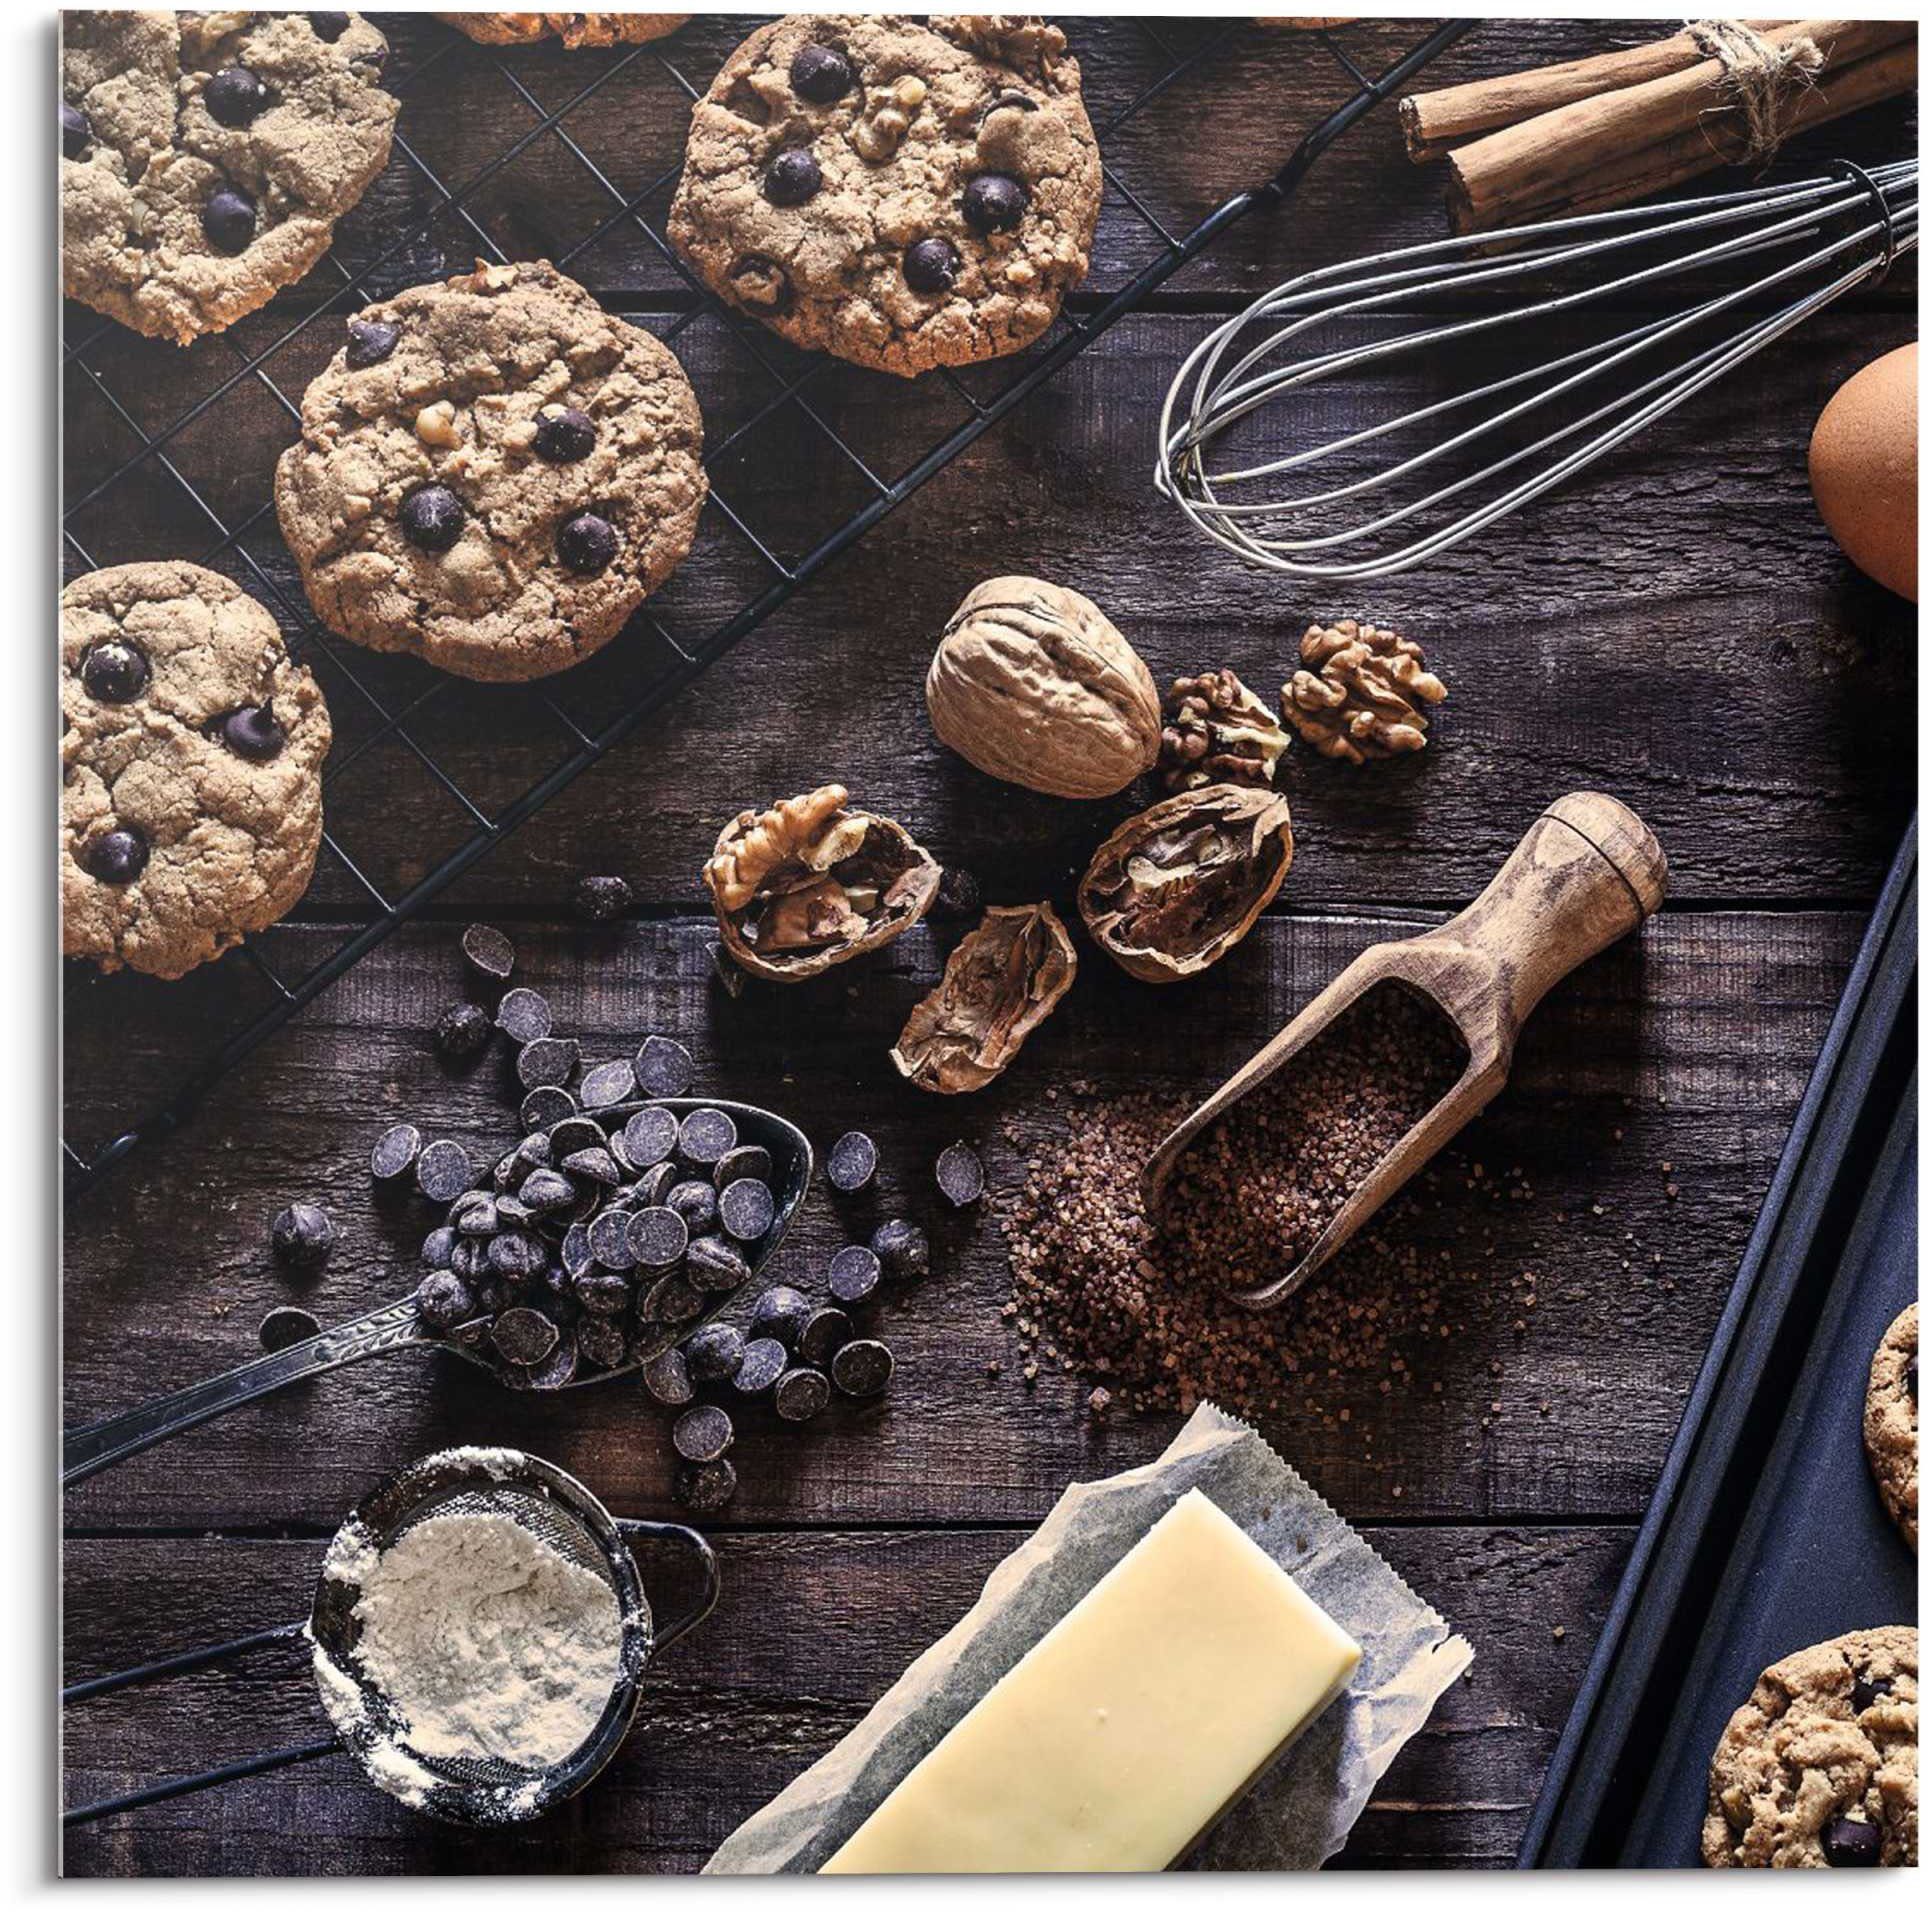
(1677, 630)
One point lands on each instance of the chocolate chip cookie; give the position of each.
(1818, 1768)
(904, 194)
(205, 157)
(191, 750)
(492, 473)
(572, 29)
(1891, 1422)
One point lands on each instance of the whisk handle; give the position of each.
(693, 1542)
(87, 1450)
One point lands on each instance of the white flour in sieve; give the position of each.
(490, 1643)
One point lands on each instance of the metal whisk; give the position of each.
(1387, 495)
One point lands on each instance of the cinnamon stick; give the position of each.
(1434, 122)
(1618, 146)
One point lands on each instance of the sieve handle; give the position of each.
(706, 1562)
(86, 1450)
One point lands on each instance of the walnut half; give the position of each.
(1216, 731)
(1364, 694)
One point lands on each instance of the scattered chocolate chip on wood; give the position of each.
(902, 1248)
(862, 1369)
(301, 1237)
(488, 952)
(705, 1487)
(960, 1175)
(823, 1334)
(664, 1067)
(524, 1015)
(780, 1313)
(394, 1153)
(853, 1274)
(283, 1327)
(543, 1108)
(801, 1395)
(761, 1367)
(852, 1162)
(548, 1062)
(703, 1434)
(462, 1032)
(607, 1084)
(667, 1377)
(601, 899)
(713, 1353)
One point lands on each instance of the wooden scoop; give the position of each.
(1586, 873)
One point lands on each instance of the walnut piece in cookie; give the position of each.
(191, 752)
(903, 194)
(1364, 692)
(1217, 731)
(1891, 1422)
(205, 157)
(572, 29)
(1818, 1767)
(493, 473)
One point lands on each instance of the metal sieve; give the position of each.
(563, 1515)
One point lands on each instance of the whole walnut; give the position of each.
(1034, 684)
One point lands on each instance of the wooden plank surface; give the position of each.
(1678, 629)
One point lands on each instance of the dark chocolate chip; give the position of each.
(762, 1365)
(283, 1327)
(593, 1165)
(657, 1237)
(560, 1368)
(602, 1342)
(587, 543)
(608, 1083)
(253, 734)
(862, 1368)
(543, 1107)
(745, 1162)
(706, 1487)
(960, 1175)
(654, 1184)
(444, 1298)
(545, 1191)
(228, 220)
(957, 894)
(473, 1212)
(713, 1353)
(394, 1153)
(1850, 1842)
(119, 856)
(931, 266)
(432, 518)
(548, 1062)
(488, 952)
(820, 74)
(578, 1248)
(444, 1170)
(696, 1203)
(854, 1274)
(667, 1377)
(706, 1136)
(235, 96)
(462, 1033)
(605, 1295)
(780, 1313)
(747, 1209)
(823, 1334)
(802, 1394)
(1867, 1691)
(524, 1015)
(1913, 1377)
(607, 1239)
(664, 1067)
(649, 1137)
(75, 133)
(994, 202)
(703, 1434)
(438, 1247)
(565, 437)
(369, 342)
(793, 178)
(469, 1258)
(114, 672)
(524, 1336)
(301, 1236)
(852, 1163)
(571, 1135)
(672, 1301)
(517, 1257)
(512, 1212)
(601, 899)
(714, 1266)
(903, 1248)
(329, 26)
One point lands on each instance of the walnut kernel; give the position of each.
(1365, 693)
(1217, 731)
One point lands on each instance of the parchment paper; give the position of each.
(1299, 1813)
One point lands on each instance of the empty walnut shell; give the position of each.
(809, 883)
(1172, 889)
(1034, 684)
(1002, 980)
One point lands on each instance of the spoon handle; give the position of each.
(87, 1450)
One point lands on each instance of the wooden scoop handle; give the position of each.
(1586, 873)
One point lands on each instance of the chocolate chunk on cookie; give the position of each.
(572, 29)
(205, 157)
(901, 193)
(190, 803)
(1818, 1767)
(493, 473)
(1891, 1422)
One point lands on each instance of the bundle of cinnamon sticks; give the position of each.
(1590, 134)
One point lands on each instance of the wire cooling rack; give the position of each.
(136, 445)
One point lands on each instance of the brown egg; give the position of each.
(1861, 463)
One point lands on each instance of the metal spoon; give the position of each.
(1586, 873)
(399, 1324)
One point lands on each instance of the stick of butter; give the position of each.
(1124, 1733)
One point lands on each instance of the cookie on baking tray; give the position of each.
(904, 194)
(572, 29)
(1818, 1768)
(191, 751)
(492, 473)
(1891, 1422)
(205, 157)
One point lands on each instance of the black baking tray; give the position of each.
(1765, 1533)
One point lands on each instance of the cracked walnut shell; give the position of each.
(808, 883)
(1032, 683)
(1217, 731)
(1365, 694)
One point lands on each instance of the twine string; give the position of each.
(1759, 78)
